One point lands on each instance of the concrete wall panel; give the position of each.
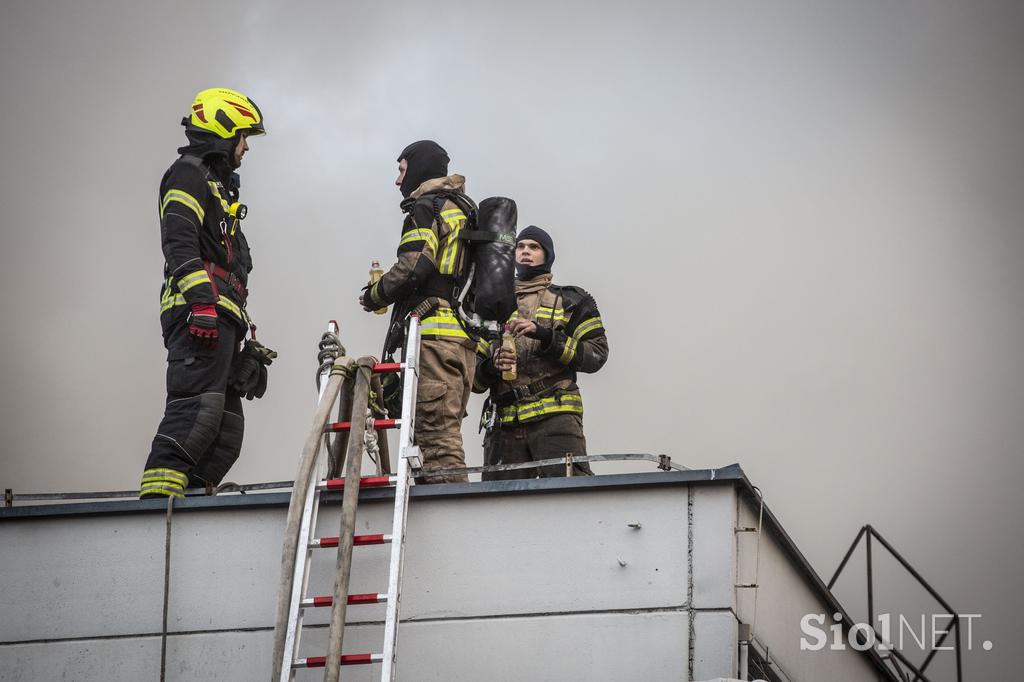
(595, 647)
(225, 569)
(548, 553)
(591, 647)
(92, 660)
(714, 547)
(81, 577)
(715, 645)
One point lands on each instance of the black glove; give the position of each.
(245, 374)
(249, 370)
(368, 304)
(542, 334)
(261, 384)
(486, 366)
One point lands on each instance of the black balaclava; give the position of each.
(427, 160)
(217, 152)
(528, 272)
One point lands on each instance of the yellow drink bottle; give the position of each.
(508, 343)
(375, 274)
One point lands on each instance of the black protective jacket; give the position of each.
(206, 256)
(575, 341)
(431, 260)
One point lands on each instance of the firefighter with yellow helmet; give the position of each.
(203, 314)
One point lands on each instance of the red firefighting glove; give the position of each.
(202, 325)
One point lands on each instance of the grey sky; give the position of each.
(800, 221)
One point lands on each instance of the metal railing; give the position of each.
(896, 658)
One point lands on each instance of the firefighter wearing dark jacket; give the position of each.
(203, 299)
(558, 332)
(431, 259)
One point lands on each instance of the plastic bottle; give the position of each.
(375, 274)
(508, 343)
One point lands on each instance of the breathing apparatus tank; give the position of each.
(488, 296)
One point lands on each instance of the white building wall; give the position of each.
(783, 598)
(556, 585)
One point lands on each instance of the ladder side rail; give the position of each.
(300, 581)
(350, 500)
(406, 453)
(292, 537)
(389, 669)
(407, 429)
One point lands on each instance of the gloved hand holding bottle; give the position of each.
(376, 272)
(505, 356)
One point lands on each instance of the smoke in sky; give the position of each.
(800, 220)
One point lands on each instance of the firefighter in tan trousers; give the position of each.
(558, 332)
(423, 281)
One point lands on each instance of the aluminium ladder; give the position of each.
(300, 539)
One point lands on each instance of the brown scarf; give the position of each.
(532, 286)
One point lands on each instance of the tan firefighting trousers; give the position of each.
(445, 383)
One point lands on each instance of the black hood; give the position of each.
(215, 151)
(528, 272)
(203, 143)
(426, 160)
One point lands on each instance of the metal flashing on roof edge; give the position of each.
(733, 473)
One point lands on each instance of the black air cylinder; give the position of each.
(494, 294)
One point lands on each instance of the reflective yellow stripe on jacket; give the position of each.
(216, 192)
(544, 313)
(569, 403)
(483, 347)
(185, 198)
(231, 307)
(587, 326)
(193, 279)
(427, 236)
(169, 299)
(456, 220)
(553, 314)
(443, 323)
(568, 352)
(582, 329)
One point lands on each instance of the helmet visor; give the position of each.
(254, 130)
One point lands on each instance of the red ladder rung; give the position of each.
(365, 482)
(358, 540)
(378, 424)
(346, 659)
(368, 598)
(383, 367)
